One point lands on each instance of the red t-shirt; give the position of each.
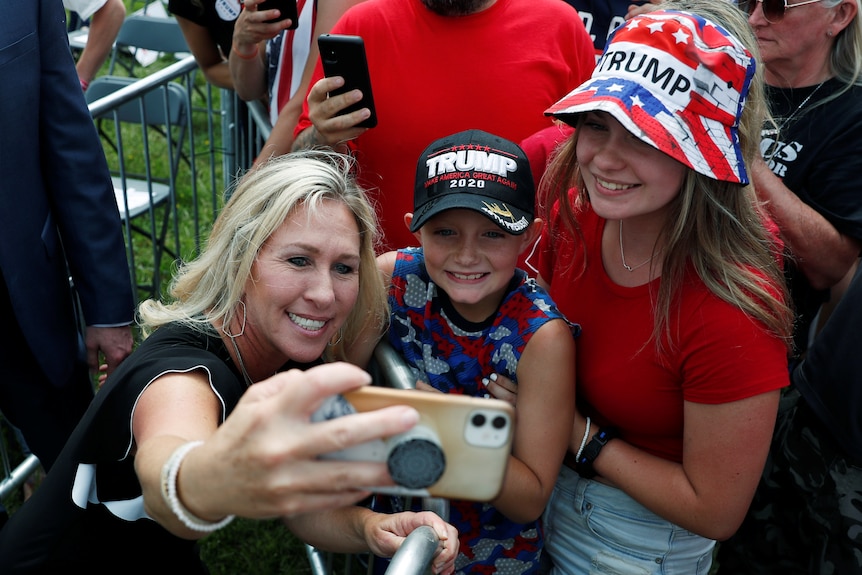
(432, 76)
(721, 355)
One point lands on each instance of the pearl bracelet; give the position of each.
(584, 440)
(170, 470)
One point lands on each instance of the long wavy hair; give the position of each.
(207, 290)
(845, 60)
(717, 228)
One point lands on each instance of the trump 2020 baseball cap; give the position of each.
(676, 81)
(477, 171)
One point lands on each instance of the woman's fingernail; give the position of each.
(411, 416)
(485, 381)
(493, 377)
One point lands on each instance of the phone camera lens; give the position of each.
(478, 420)
(499, 422)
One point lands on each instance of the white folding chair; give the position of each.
(141, 33)
(145, 183)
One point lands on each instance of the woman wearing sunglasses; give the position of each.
(812, 55)
(805, 516)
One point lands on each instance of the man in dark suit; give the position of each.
(58, 218)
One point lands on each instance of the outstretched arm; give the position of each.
(545, 408)
(262, 461)
(248, 54)
(281, 138)
(206, 53)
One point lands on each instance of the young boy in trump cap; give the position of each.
(461, 313)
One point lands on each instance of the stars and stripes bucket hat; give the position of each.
(677, 82)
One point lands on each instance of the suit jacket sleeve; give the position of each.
(78, 183)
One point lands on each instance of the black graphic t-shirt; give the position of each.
(818, 155)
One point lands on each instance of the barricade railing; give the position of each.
(415, 554)
(14, 474)
(169, 147)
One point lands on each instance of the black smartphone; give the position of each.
(287, 8)
(344, 56)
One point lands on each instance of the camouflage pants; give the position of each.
(806, 517)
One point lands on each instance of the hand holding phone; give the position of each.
(344, 56)
(286, 8)
(459, 449)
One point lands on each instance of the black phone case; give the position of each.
(287, 8)
(345, 56)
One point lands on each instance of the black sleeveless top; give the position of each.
(88, 512)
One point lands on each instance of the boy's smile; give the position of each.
(470, 258)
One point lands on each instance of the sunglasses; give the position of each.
(773, 10)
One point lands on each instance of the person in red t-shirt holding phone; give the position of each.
(438, 67)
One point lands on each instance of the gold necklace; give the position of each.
(623, 254)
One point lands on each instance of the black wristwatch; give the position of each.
(584, 466)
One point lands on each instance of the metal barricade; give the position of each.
(16, 472)
(415, 554)
(214, 146)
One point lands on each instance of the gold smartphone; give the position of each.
(458, 450)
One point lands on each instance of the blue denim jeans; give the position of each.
(594, 529)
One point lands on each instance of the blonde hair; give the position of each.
(207, 290)
(716, 227)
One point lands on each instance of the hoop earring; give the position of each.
(241, 329)
(337, 341)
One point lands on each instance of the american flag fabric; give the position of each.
(676, 81)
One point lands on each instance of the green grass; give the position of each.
(248, 546)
